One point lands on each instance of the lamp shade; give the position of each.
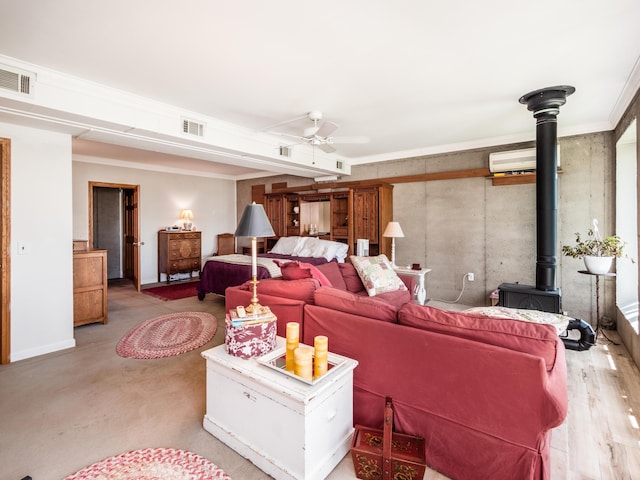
(254, 223)
(186, 215)
(393, 230)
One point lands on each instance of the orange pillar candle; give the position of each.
(303, 362)
(293, 340)
(321, 353)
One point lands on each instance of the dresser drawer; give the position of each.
(340, 231)
(188, 235)
(184, 248)
(184, 265)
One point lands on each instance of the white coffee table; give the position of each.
(420, 292)
(287, 428)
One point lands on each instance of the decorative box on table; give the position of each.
(252, 336)
(382, 454)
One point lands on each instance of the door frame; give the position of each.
(135, 224)
(5, 256)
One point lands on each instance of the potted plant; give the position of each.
(597, 252)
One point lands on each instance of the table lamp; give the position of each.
(254, 223)
(393, 230)
(187, 216)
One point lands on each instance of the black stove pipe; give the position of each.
(545, 105)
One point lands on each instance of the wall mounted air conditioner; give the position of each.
(515, 160)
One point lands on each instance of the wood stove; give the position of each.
(545, 105)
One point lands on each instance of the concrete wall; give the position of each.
(469, 225)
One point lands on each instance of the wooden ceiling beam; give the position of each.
(423, 177)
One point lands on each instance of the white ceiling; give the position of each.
(415, 76)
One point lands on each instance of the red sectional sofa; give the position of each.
(485, 393)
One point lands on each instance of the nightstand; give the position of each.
(420, 292)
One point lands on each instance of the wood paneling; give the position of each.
(423, 177)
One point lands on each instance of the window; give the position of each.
(627, 224)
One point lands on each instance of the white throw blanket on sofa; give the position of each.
(559, 321)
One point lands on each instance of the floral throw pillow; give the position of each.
(377, 274)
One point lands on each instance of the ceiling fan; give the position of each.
(319, 135)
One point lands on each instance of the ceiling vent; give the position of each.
(284, 151)
(16, 80)
(192, 127)
(339, 165)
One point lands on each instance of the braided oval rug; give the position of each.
(168, 335)
(152, 464)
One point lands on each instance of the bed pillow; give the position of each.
(377, 274)
(306, 247)
(326, 249)
(286, 245)
(319, 248)
(341, 251)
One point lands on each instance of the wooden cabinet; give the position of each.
(274, 206)
(178, 252)
(372, 210)
(89, 287)
(359, 212)
(292, 215)
(340, 216)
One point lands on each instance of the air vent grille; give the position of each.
(192, 127)
(15, 81)
(338, 164)
(284, 151)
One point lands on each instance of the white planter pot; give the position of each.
(598, 265)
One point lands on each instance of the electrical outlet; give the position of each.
(471, 277)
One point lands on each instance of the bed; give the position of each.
(222, 271)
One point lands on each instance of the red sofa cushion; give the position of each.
(348, 302)
(332, 271)
(533, 338)
(351, 277)
(301, 289)
(296, 270)
(397, 298)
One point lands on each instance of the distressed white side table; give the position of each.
(420, 292)
(287, 428)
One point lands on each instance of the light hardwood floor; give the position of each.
(63, 411)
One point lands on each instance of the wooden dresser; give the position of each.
(89, 287)
(178, 252)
